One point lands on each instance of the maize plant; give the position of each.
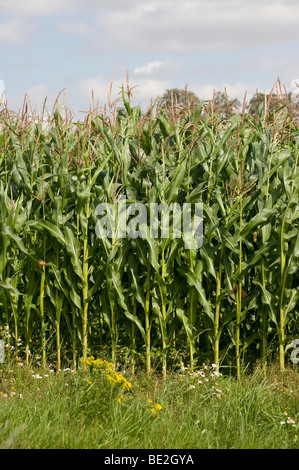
(68, 290)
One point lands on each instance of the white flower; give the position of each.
(191, 387)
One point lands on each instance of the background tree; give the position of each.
(223, 105)
(178, 98)
(274, 102)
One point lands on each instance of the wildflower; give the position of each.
(191, 387)
(215, 374)
(37, 376)
(155, 410)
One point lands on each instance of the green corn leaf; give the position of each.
(193, 280)
(44, 225)
(73, 248)
(268, 300)
(257, 220)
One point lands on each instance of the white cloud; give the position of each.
(234, 90)
(2, 91)
(2, 87)
(149, 88)
(295, 85)
(15, 32)
(198, 25)
(78, 28)
(147, 69)
(35, 96)
(35, 7)
(145, 90)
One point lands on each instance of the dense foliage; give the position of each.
(65, 292)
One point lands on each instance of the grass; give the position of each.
(94, 409)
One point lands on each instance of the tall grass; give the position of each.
(40, 409)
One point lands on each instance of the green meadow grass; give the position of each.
(43, 409)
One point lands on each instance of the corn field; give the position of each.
(67, 293)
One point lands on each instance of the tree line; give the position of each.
(226, 106)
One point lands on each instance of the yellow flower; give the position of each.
(155, 409)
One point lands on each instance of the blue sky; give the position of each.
(50, 45)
